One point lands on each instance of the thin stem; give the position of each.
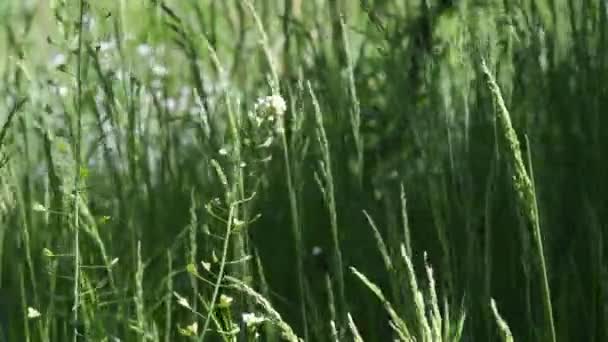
(77, 145)
(297, 234)
(220, 274)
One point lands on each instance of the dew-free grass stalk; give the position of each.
(398, 321)
(326, 185)
(355, 110)
(297, 232)
(502, 324)
(264, 42)
(9, 119)
(353, 329)
(169, 297)
(274, 316)
(524, 188)
(139, 295)
(405, 220)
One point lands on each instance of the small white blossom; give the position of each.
(182, 301)
(252, 320)
(159, 70)
(57, 60)
(238, 223)
(273, 105)
(120, 75)
(32, 313)
(144, 50)
(170, 104)
(88, 22)
(193, 328)
(206, 265)
(190, 330)
(62, 91)
(38, 207)
(105, 46)
(225, 301)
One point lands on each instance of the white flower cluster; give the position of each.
(190, 330)
(225, 301)
(252, 320)
(266, 121)
(267, 117)
(269, 108)
(32, 313)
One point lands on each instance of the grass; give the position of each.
(303, 170)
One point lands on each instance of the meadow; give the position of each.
(303, 170)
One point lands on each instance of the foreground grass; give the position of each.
(303, 170)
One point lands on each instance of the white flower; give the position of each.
(193, 328)
(88, 22)
(120, 75)
(107, 45)
(38, 207)
(190, 330)
(170, 104)
(144, 50)
(159, 70)
(316, 251)
(278, 104)
(206, 265)
(252, 320)
(57, 60)
(62, 91)
(32, 313)
(225, 301)
(182, 301)
(273, 105)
